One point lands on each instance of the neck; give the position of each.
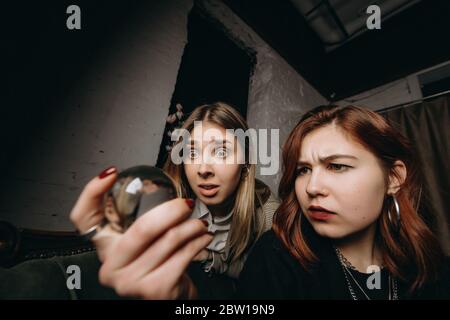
(360, 249)
(222, 209)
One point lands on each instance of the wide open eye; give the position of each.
(192, 153)
(221, 152)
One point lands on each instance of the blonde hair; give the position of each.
(244, 225)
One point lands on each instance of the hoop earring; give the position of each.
(396, 224)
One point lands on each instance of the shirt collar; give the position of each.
(201, 211)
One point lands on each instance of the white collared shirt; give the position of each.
(219, 226)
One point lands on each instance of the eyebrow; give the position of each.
(216, 142)
(330, 158)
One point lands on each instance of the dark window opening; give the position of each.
(213, 68)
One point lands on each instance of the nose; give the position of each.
(315, 186)
(205, 170)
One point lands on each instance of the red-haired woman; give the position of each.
(349, 190)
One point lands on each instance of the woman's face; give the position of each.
(213, 166)
(340, 185)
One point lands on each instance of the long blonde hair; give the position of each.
(244, 225)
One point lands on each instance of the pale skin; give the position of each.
(340, 175)
(206, 164)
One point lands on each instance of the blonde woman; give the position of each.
(237, 207)
(221, 212)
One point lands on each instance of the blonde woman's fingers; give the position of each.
(88, 210)
(165, 246)
(149, 227)
(171, 274)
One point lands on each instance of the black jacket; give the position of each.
(271, 272)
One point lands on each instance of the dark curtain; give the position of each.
(427, 125)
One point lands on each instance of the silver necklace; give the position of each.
(346, 266)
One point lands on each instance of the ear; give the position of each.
(397, 177)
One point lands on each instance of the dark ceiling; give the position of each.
(413, 39)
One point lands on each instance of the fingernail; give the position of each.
(107, 172)
(190, 203)
(206, 223)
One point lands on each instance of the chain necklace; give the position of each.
(347, 266)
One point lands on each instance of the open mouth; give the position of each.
(208, 189)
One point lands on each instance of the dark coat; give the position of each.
(271, 272)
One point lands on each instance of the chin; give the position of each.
(329, 231)
(210, 201)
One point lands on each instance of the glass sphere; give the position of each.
(137, 190)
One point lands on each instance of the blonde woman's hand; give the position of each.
(88, 210)
(202, 255)
(148, 260)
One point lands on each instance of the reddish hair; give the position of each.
(410, 250)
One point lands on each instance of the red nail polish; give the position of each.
(107, 172)
(190, 203)
(206, 223)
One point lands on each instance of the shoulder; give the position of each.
(436, 290)
(268, 249)
(441, 287)
(272, 203)
(444, 281)
(267, 204)
(268, 241)
(270, 272)
(263, 192)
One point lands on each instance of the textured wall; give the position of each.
(278, 95)
(116, 115)
(397, 92)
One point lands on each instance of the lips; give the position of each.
(208, 189)
(320, 213)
